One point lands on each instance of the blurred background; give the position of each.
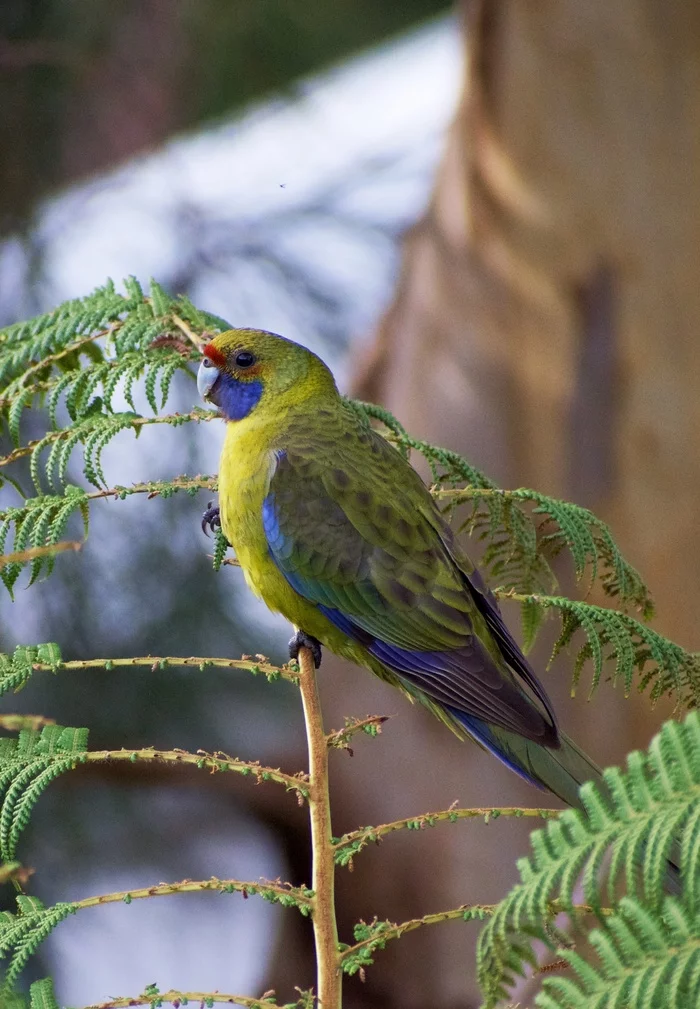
(486, 218)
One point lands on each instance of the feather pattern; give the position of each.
(382, 571)
(336, 531)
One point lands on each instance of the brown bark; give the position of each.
(547, 317)
(546, 325)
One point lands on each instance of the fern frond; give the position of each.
(28, 764)
(16, 669)
(211, 762)
(646, 962)
(38, 524)
(374, 935)
(628, 645)
(41, 522)
(523, 529)
(556, 525)
(42, 995)
(31, 352)
(647, 808)
(447, 467)
(22, 933)
(80, 354)
(352, 843)
(109, 424)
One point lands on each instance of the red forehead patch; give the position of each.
(215, 355)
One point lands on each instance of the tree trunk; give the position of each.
(546, 325)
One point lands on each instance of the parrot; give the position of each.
(335, 530)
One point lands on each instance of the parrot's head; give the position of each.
(244, 368)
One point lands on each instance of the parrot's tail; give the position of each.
(561, 771)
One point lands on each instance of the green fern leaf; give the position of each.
(26, 770)
(647, 808)
(15, 413)
(16, 669)
(645, 963)
(41, 523)
(628, 645)
(42, 995)
(532, 618)
(25, 932)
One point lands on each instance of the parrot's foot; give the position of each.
(211, 519)
(302, 640)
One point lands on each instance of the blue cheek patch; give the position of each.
(236, 399)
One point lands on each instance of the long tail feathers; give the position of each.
(561, 771)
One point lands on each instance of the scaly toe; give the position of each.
(303, 640)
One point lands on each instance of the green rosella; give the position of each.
(336, 531)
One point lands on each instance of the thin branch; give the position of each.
(155, 662)
(371, 726)
(22, 556)
(155, 487)
(213, 762)
(274, 892)
(153, 997)
(15, 872)
(52, 358)
(194, 338)
(353, 842)
(378, 933)
(15, 723)
(469, 493)
(178, 998)
(328, 973)
(197, 414)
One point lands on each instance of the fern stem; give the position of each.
(156, 662)
(31, 553)
(155, 487)
(328, 972)
(15, 723)
(198, 414)
(276, 893)
(213, 762)
(380, 932)
(203, 998)
(383, 931)
(196, 339)
(356, 840)
(51, 359)
(371, 726)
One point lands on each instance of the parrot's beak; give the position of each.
(206, 377)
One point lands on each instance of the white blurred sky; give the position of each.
(324, 177)
(327, 179)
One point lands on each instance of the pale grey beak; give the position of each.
(206, 377)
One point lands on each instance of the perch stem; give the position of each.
(328, 972)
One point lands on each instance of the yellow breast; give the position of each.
(246, 468)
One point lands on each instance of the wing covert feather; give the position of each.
(363, 540)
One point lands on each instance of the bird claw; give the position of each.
(211, 519)
(302, 640)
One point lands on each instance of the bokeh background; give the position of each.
(486, 218)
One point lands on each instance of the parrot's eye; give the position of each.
(244, 359)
